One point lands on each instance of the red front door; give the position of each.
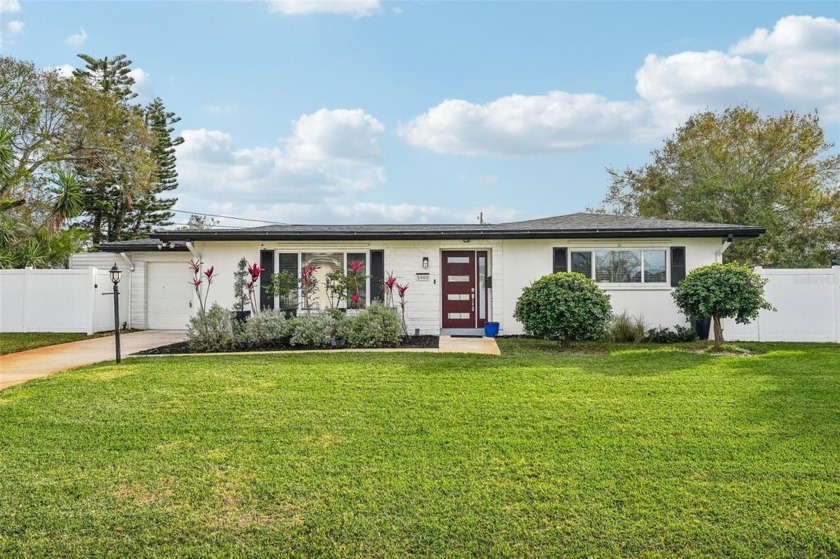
(460, 295)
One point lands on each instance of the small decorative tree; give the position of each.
(401, 289)
(284, 284)
(565, 306)
(308, 283)
(240, 298)
(388, 289)
(722, 291)
(197, 281)
(335, 285)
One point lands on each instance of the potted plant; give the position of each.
(284, 285)
(240, 297)
(336, 288)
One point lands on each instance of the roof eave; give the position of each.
(736, 233)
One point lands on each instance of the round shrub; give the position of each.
(313, 330)
(267, 329)
(565, 306)
(376, 326)
(722, 291)
(213, 330)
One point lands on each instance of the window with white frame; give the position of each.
(321, 264)
(648, 266)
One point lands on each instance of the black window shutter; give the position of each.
(560, 260)
(288, 262)
(377, 275)
(677, 265)
(267, 264)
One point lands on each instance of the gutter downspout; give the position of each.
(192, 250)
(125, 257)
(128, 261)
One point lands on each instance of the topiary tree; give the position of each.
(565, 306)
(722, 291)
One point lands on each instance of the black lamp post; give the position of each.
(116, 274)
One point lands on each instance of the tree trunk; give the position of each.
(96, 232)
(718, 330)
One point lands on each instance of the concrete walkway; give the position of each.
(25, 365)
(487, 346)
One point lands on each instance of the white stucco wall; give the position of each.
(402, 258)
(528, 260)
(514, 264)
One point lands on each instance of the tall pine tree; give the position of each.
(152, 211)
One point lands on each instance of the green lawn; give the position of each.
(14, 342)
(643, 451)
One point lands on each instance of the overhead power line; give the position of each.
(230, 217)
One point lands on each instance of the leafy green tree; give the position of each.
(722, 291)
(737, 167)
(34, 107)
(110, 135)
(565, 306)
(198, 221)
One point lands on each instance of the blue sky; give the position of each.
(361, 111)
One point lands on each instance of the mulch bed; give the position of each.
(410, 342)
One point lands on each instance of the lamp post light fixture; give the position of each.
(116, 275)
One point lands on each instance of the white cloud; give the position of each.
(324, 135)
(366, 212)
(522, 124)
(9, 30)
(221, 109)
(77, 39)
(352, 8)
(331, 153)
(317, 174)
(14, 27)
(9, 6)
(65, 70)
(141, 77)
(793, 67)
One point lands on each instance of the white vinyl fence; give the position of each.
(60, 300)
(807, 308)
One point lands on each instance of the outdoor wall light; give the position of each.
(425, 262)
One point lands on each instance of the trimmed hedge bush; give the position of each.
(565, 306)
(213, 330)
(268, 329)
(376, 326)
(314, 330)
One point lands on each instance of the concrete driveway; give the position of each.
(25, 365)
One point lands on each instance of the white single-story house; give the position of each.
(459, 276)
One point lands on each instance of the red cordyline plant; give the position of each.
(197, 281)
(355, 281)
(255, 271)
(401, 289)
(308, 282)
(388, 289)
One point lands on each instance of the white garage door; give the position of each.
(168, 296)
